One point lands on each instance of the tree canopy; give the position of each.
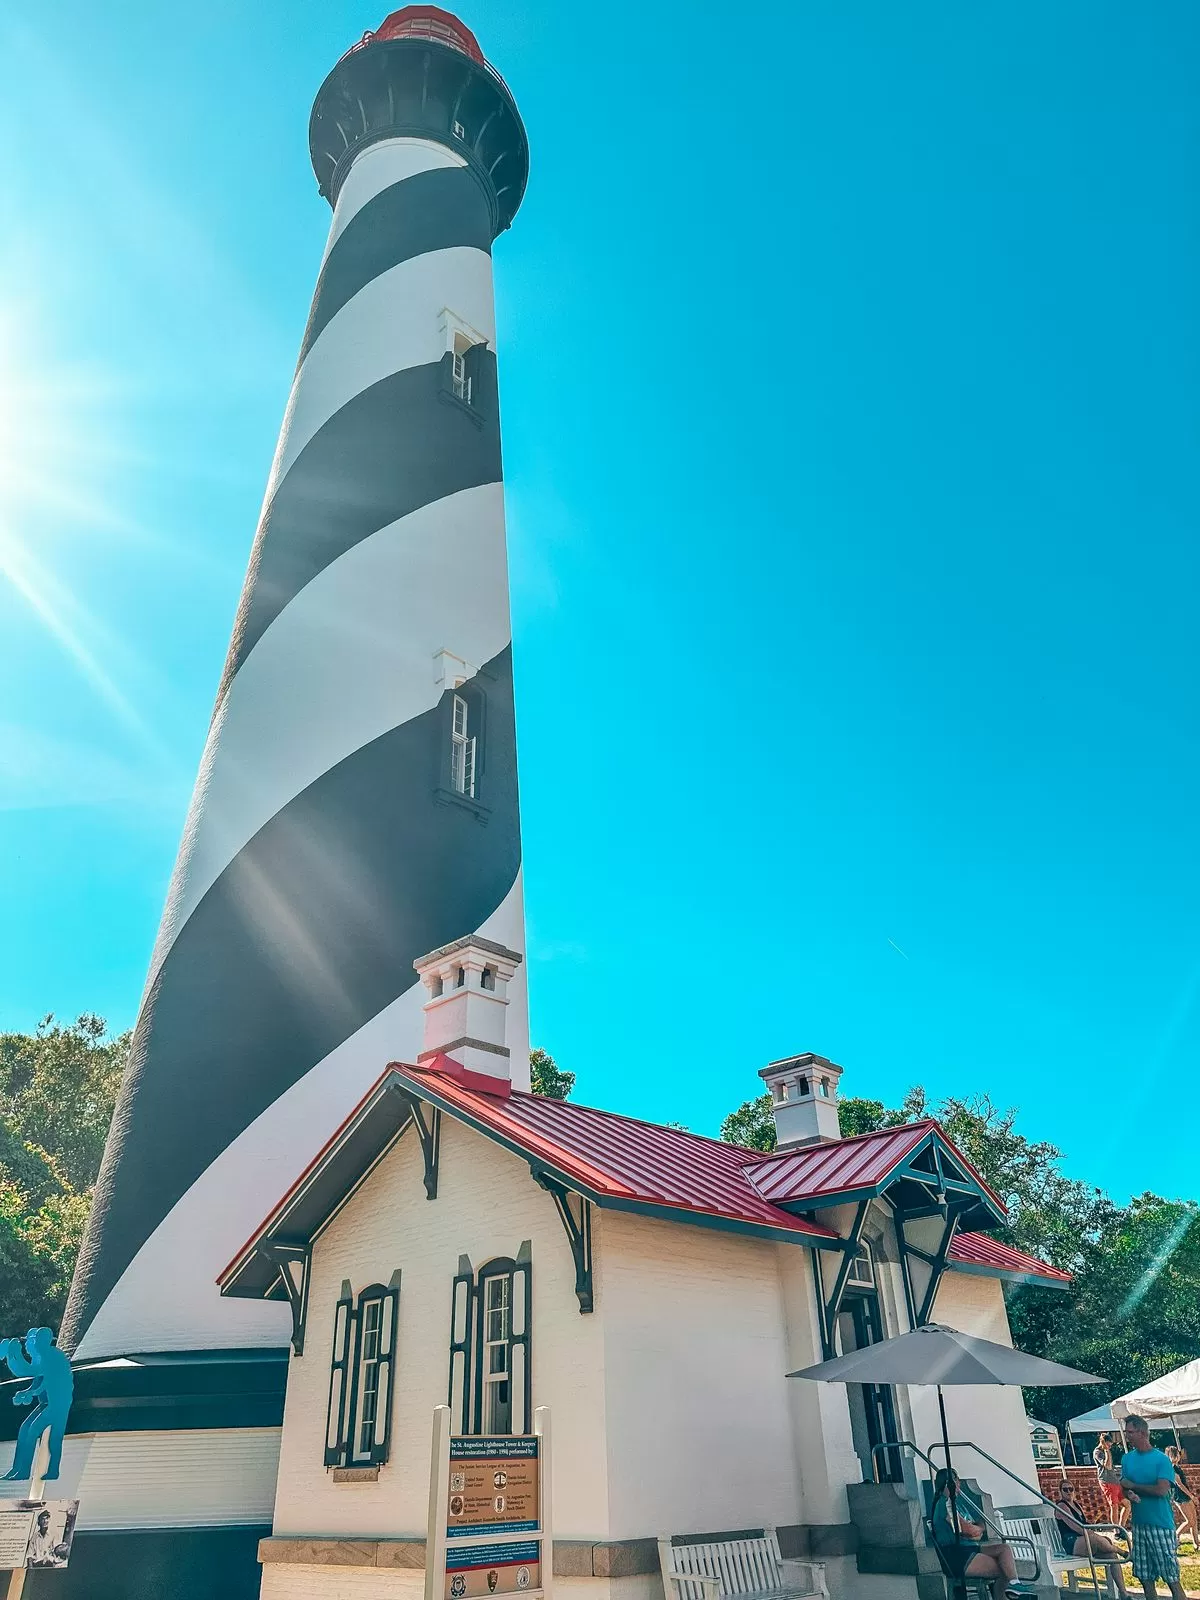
(548, 1077)
(58, 1087)
(1133, 1310)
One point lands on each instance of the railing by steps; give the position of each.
(969, 1444)
(960, 1585)
(1001, 1533)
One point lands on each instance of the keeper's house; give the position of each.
(457, 1239)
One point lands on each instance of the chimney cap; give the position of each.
(470, 941)
(799, 1063)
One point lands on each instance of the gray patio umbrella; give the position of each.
(936, 1355)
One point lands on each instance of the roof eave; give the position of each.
(980, 1269)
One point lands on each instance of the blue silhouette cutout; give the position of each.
(52, 1387)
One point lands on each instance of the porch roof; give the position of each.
(910, 1163)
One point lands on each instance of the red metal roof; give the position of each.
(641, 1164)
(619, 1156)
(979, 1250)
(820, 1170)
(864, 1161)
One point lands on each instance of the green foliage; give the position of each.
(1133, 1310)
(58, 1087)
(751, 1125)
(548, 1078)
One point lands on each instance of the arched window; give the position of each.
(490, 1390)
(358, 1426)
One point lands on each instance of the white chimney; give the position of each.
(804, 1098)
(467, 982)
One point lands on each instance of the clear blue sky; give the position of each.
(849, 363)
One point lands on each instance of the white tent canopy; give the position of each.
(1101, 1420)
(1175, 1397)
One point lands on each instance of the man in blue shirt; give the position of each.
(1147, 1479)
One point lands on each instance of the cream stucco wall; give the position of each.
(696, 1401)
(487, 1205)
(993, 1418)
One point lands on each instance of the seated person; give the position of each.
(1078, 1539)
(963, 1542)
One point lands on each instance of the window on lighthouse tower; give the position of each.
(462, 750)
(460, 376)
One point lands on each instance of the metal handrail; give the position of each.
(1097, 1527)
(927, 1518)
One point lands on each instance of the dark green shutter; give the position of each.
(388, 1322)
(519, 1342)
(337, 1414)
(462, 1320)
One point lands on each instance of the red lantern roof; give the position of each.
(429, 22)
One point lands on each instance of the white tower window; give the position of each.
(462, 751)
(460, 377)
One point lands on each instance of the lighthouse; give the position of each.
(356, 805)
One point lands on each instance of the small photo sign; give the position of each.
(36, 1533)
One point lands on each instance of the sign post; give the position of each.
(490, 1517)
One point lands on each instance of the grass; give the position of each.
(1189, 1576)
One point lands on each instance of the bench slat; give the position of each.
(736, 1569)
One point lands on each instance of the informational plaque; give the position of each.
(492, 1489)
(493, 1486)
(36, 1533)
(489, 1514)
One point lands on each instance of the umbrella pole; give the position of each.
(949, 1467)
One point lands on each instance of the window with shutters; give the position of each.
(490, 1391)
(460, 377)
(462, 750)
(462, 747)
(359, 1419)
(467, 372)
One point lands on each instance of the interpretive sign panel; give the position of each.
(475, 1570)
(493, 1486)
(489, 1514)
(36, 1533)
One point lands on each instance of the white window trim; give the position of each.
(451, 323)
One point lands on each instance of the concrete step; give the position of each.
(912, 1561)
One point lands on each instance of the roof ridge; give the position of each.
(604, 1111)
(850, 1138)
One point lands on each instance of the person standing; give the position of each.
(1109, 1474)
(1184, 1499)
(1148, 1482)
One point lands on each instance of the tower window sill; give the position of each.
(448, 397)
(451, 797)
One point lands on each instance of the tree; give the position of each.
(58, 1087)
(548, 1078)
(753, 1123)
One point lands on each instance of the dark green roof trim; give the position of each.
(978, 1270)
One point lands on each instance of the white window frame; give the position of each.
(459, 337)
(462, 749)
(495, 1349)
(863, 1256)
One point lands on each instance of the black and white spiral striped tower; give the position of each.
(357, 800)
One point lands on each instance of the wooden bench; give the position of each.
(748, 1565)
